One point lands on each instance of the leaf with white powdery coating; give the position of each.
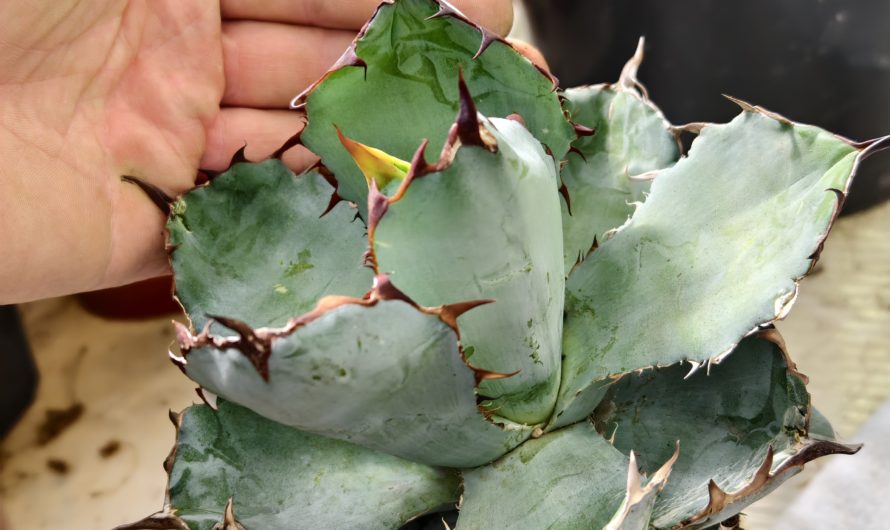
(398, 85)
(610, 171)
(381, 373)
(282, 479)
(715, 251)
(253, 245)
(567, 479)
(482, 227)
(742, 430)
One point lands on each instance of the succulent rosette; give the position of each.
(496, 301)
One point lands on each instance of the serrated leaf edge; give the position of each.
(785, 301)
(349, 58)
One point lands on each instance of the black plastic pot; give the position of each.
(18, 375)
(825, 62)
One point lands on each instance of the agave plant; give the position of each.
(560, 321)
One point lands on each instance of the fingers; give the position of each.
(267, 64)
(496, 15)
(263, 131)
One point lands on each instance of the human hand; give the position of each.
(90, 91)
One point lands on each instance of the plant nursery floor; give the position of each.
(88, 453)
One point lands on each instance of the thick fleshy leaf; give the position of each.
(742, 430)
(482, 227)
(715, 251)
(609, 172)
(571, 478)
(253, 245)
(381, 373)
(282, 479)
(398, 85)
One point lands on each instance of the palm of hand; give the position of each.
(159, 89)
(92, 90)
(129, 91)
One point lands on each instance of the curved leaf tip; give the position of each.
(469, 130)
(374, 164)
